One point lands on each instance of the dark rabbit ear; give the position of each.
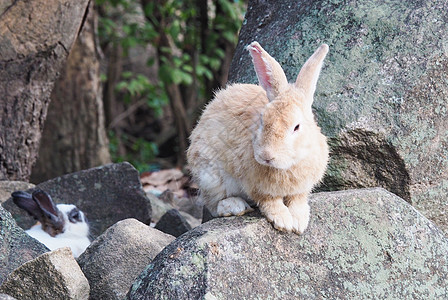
(46, 205)
(25, 201)
(52, 222)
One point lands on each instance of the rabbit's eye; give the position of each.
(297, 127)
(74, 216)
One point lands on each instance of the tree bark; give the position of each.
(113, 106)
(181, 121)
(74, 136)
(35, 38)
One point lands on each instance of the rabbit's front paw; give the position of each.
(278, 214)
(232, 206)
(301, 216)
(282, 221)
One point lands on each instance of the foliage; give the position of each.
(139, 86)
(189, 37)
(143, 152)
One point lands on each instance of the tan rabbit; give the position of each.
(262, 143)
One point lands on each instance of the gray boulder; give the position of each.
(382, 97)
(160, 206)
(6, 297)
(107, 194)
(360, 244)
(16, 247)
(7, 187)
(53, 275)
(115, 259)
(172, 222)
(187, 205)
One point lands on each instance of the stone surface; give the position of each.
(7, 187)
(172, 222)
(160, 207)
(16, 247)
(192, 221)
(361, 244)
(187, 204)
(53, 275)
(382, 97)
(190, 206)
(105, 194)
(6, 297)
(115, 259)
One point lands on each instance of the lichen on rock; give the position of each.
(360, 244)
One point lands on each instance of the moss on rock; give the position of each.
(360, 244)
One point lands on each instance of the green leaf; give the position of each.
(187, 78)
(215, 63)
(143, 79)
(165, 74)
(121, 86)
(230, 36)
(150, 61)
(229, 9)
(187, 68)
(103, 77)
(220, 53)
(176, 76)
(203, 71)
(208, 74)
(174, 29)
(127, 74)
(165, 50)
(204, 59)
(177, 61)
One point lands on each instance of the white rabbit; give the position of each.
(62, 225)
(262, 143)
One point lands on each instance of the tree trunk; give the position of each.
(35, 37)
(181, 121)
(173, 90)
(113, 106)
(74, 136)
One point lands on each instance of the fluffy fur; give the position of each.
(262, 143)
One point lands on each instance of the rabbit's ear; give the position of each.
(25, 201)
(308, 75)
(47, 206)
(269, 72)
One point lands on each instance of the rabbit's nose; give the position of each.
(267, 157)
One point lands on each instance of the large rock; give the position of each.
(172, 222)
(382, 97)
(53, 275)
(160, 206)
(7, 187)
(360, 244)
(116, 258)
(106, 194)
(186, 204)
(16, 247)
